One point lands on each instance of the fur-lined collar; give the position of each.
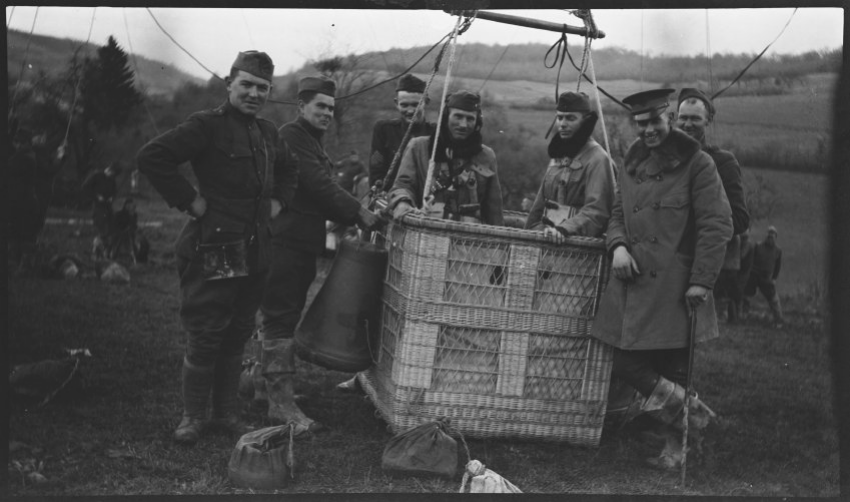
(677, 149)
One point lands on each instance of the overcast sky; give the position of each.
(293, 36)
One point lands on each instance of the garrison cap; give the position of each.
(410, 83)
(690, 92)
(320, 84)
(573, 102)
(772, 230)
(645, 105)
(464, 100)
(257, 63)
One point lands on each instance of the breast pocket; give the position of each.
(235, 165)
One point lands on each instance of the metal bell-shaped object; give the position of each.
(341, 328)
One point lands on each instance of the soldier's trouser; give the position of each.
(641, 368)
(219, 314)
(290, 274)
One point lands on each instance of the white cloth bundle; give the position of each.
(485, 481)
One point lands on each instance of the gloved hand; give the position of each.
(367, 220)
(696, 295)
(401, 209)
(554, 233)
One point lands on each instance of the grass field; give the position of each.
(771, 387)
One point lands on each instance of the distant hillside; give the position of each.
(53, 54)
(525, 62)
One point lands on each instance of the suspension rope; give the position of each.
(136, 68)
(427, 196)
(560, 48)
(590, 25)
(508, 46)
(180, 46)
(11, 15)
(756, 58)
(386, 183)
(247, 28)
(710, 72)
(283, 102)
(23, 65)
(77, 86)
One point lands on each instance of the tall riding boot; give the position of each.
(666, 404)
(225, 399)
(776, 308)
(279, 374)
(197, 382)
(255, 351)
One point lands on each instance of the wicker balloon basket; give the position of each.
(489, 326)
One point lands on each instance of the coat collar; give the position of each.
(677, 149)
(312, 131)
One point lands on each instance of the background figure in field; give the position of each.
(696, 113)
(125, 239)
(577, 190)
(667, 235)
(246, 177)
(23, 205)
(466, 178)
(299, 238)
(766, 263)
(101, 187)
(387, 134)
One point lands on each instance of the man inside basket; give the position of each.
(577, 191)
(466, 184)
(667, 237)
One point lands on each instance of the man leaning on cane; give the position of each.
(247, 177)
(667, 237)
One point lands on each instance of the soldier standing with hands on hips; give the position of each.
(300, 242)
(247, 178)
(667, 237)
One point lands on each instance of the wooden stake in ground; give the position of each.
(692, 331)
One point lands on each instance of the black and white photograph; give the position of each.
(405, 249)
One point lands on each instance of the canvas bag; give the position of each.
(426, 449)
(485, 481)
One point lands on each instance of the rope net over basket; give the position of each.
(489, 326)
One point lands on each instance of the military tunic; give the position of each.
(671, 212)
(586, 183)
(386, 140)
(240, 164)
(300, 233)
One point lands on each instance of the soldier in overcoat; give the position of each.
(466, 177)
(247, 177)
(667, 237)
(695, 113)
(299, 242)
(579, 179)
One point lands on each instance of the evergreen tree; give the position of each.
(107, 92)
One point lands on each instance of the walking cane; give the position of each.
(692, 315)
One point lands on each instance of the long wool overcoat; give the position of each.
(671, 212)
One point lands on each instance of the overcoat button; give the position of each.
(652, 273)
